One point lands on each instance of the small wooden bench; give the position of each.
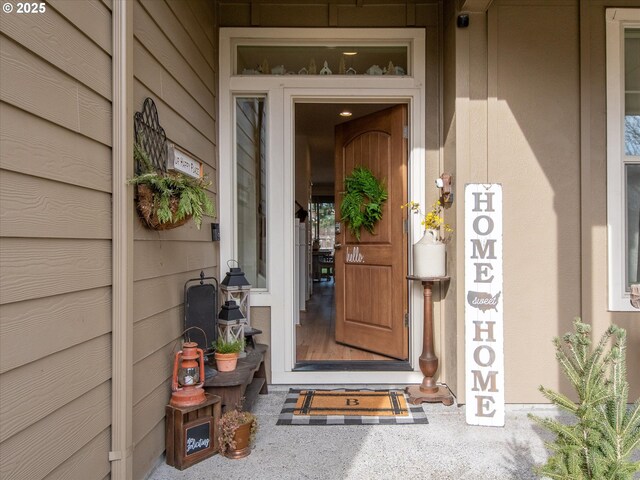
(247, 380)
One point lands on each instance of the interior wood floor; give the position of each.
(315, 334)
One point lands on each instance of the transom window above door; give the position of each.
(338, 59)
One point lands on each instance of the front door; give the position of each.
(370, 274)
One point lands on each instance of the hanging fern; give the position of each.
(175, 196)
(363, 200)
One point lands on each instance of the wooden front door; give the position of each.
(370, 274)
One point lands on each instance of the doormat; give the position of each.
(349, 407)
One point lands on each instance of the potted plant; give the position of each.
(167, 200)
(237, 433)
(227, 353)
(429, 256)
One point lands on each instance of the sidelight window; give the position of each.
(251, 188)
(623, 154)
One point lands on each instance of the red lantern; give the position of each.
(186, 384)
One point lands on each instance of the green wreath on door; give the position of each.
(364, 197)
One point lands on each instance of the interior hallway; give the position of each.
(315, 334)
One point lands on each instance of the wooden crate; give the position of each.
(192, 432)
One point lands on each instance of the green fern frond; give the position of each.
(363, 200)
(141, 158)
(189, 193)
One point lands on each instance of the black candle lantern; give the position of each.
(230, 322)
(235, 287)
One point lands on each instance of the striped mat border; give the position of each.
(286, 417)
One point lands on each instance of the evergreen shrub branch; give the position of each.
(605, 431)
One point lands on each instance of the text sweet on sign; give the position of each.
(484, 341)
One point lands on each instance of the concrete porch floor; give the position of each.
(447, 448)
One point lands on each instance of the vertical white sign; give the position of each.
(483, 319)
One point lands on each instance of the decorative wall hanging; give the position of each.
(363, 200)
(150, 136)
(325, 69)
(278, 70)
(164, 200)
(390, 70)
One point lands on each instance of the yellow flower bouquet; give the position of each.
(432, 220)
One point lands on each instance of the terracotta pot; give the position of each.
(241, 437)
(226, 362)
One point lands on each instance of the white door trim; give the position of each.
(282, 92)
(617, 20)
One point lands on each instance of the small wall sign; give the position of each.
(198, 437)
(484, 339)
(180, 161)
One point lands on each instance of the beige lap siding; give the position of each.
(175, 61)
(55, 242)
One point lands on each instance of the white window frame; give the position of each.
(282, 93)
(617, 20)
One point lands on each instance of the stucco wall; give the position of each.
(325, 13)
(175, 63)
(55, 245)
(535, 122)
(534, 151)
(449, 361)
(424, 14)
(515, 114)
(594, 193)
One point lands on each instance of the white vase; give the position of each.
(429, 256)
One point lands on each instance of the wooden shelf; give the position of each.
(248, 380)
(251, 394)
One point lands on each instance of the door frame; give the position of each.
(282, 93)
(416, 190)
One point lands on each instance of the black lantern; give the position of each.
(231, 323)
(235, 287)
